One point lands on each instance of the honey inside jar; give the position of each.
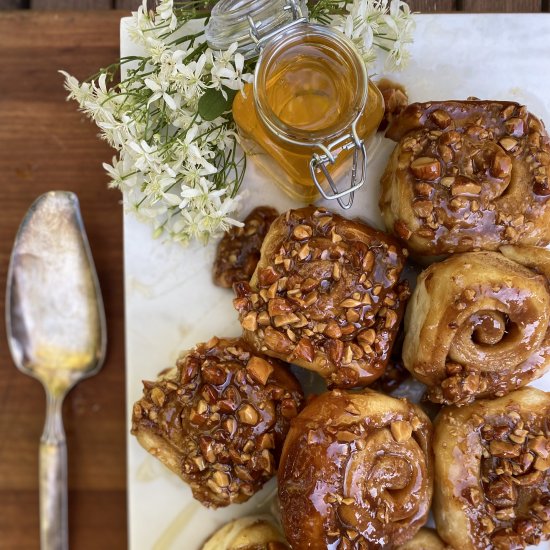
(307, 90)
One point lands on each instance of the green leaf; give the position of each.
(212, 104)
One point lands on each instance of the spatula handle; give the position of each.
(53, 479)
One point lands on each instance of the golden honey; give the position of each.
(308, 90)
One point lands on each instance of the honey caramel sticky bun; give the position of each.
(492, 472)
(326, 296)
(248, 533)
(218, 419)
(477, 325)
(467, 175)
(355, 472)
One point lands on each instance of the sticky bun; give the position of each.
(467, 175)
(239, 250)
(492, 472)
(477, 325)
(248, 533)
(395, 101)
(425, 539)
(356, 472)
(219, 419)
(326, 296)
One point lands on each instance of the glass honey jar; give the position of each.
(311, 107)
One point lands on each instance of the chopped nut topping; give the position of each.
(505, 514)
(220, 434)
(276, 341)
(426, 168)
(248, 415)
(221, 479)
(508, 143)
(401, 431)
(250, 321)
(502, 165)
(302, 232)
(423, 208)
(350, 302)
(286, 319)
(504, 449)
(346, 436)
(540, 446)
(157, 396)
(542, 464)
(267, 441)
(259, 369)
(465, 188)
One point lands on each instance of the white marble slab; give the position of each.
(171, 303)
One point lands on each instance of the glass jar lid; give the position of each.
(230, 22)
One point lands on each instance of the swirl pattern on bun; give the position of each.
(467, 175)
(477, 325)
(355, 472)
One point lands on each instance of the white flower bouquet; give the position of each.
(169, 119)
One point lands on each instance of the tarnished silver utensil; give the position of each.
(56, 332)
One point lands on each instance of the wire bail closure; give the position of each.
(330, 152)
(255, 28)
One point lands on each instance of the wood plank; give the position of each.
(130, 5)
(13, 4)
(71, 4)
(429, 6)
(46, 144)
(87, 531)
(506, 6)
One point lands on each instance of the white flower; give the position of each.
(144, 155)
(190, 77)
(160, 90)
(155, 48)
(191, 175)
(165, 10)
(140, 25)
(187, 151)
(201, 194)
(227, 70)
(78, 91)
(171, 166)
(158, 186)
(116, 172)
(379, 23)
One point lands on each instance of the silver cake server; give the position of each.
(56, 332)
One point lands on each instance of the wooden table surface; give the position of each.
(46, 144)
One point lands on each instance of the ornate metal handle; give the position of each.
(53, 479)
(329, 156)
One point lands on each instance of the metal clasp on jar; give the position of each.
(329, 156)
(297, 19)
